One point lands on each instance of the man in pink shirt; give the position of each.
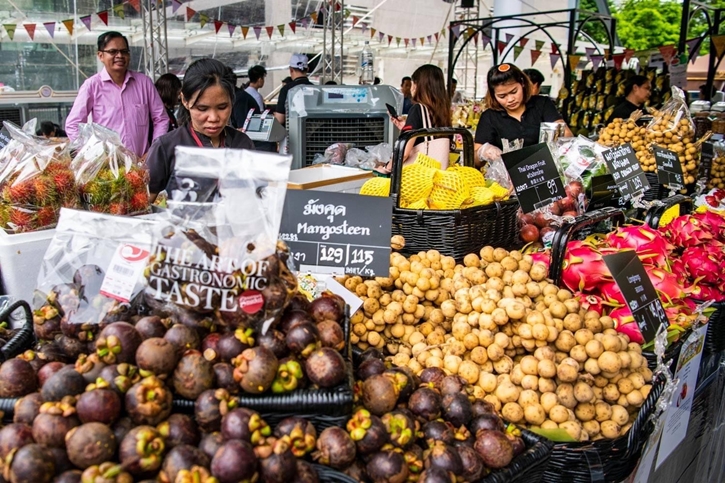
(119, 99)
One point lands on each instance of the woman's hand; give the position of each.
(397, 122)
(488, 152)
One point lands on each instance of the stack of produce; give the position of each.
(541, 224)
(529, 348)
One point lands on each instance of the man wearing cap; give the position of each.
(298, 73)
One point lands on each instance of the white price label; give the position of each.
(123, 272)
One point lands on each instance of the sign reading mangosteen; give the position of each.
(638, 292)
(338, 232)
(669, 169)
(603, 192)
(626, 171)
(534, 176)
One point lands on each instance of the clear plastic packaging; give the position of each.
(334, 154)
(674, 117)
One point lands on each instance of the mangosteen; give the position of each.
(335, 448)
(27, 408)
(425, 403)
(234, 343)
(274, 340)
(70, 346)
(298, 302)
(517, 443)
(494, 448)
(122, 427)
(301, 433)
(379, 394)
(439, 430)
(179, 429)
(331, 334)
(89, 366)
(15, 435)
(289, 376)
(370, 367)
(387, 467)
(210, 443)
(148, 401)
(356, 471)
(277, 464)
(368, 432)
(46, 322)
(151, 326)
(445, 457)
(405, 381)
(157, 356)
(45, 372)
(90, 444)
(326, 308)
(17, 378)
(224, 377)
(436, 475)
(473, 468)
(452, 384)
(481, 407)
(36, 360)
(432, 376)
(488, 421)
(302, 339)
(183, 338)
(326, 368)
(90, 278)
(107, 472)
(234, 461)
(182, 457)
(51, 352)
(70, 476)
(142, 451)
(210, 347)
(60, 460)
(54, 421)
(305, 473)
(32, 463)
(210, 407)
(457, 409)
(120, 377)
(66, 382)
(244, 424)
(195, 474)
(193, 375)
(401, 427)
(99, 404)
(117, 343)
(255, 369)
(292, 318)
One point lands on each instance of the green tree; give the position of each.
(593, 28)
(646, 24)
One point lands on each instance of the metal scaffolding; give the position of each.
(333, 53)
(156, 48)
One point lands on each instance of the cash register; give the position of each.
(266, 129)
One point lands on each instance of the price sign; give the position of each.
(4, 137)
(706, 157)
(604, 192)
(534, 176)
(338, 232)
(626, 171)
(638, 292)
(669, 169)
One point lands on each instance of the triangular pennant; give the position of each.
(372, 32)
(30, 28)
(553, 59)
(175, 5)
(355, 20)
(539, 44)
(523, 41)
(501, 46)
(305, 23)
(574, 61)
(475, 40)
(293, 26)
(406, 42)
(485, 40)
(245, 31)
(270, 30)
(469, 33)
(413, 41)
(517, 51)
(397, 40)
(509, 37)
(218, 25)
(136, 4)
(257, 31)
(596, 61)
(437, 36)
(443, 33)
(693, 48)
(190, 12)
(364, 28)
(554, 48)
(456, 30)
(280, 27)
(203, 19)
(119, 11)
(628, 53)
(390, 39)
(718, 41)
(69, 25)
(381, 36)
(104, 16)
(590, 51)
(50, 27)
(10, 29)
(86, 21)
(668, 52)
(313, 16)
(430, 39)
(422, 41)
(618, 59)
(231, 27)
(535, 54)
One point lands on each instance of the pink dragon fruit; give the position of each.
(611, 294)
(686, 231)
(666, 284)
(706, 292)
(590, 302)
(543, 257)
(701, 265)
(584, 268)
(625, 324)
(650, 245)
(713, 223)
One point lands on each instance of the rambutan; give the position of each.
(45, 193)
(139, 202)
(56, 167)
(118, 208)
(97, 192)
(20, 193)
(21, 219)
(136, 179)
(47, 216)
(64, 181)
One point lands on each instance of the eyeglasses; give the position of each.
(115, 52)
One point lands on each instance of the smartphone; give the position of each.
(392, 111)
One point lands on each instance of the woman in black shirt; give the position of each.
(511, 112)
(207, 96)
(636, 94)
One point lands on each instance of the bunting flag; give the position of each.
(280, 27)
(257, 31)
(104, 16)
(189, 13)
(509, 37)
(203, 19)
(628, 53)
(30, 28)
(668, 52)
(574, 61)
(390, 39)
(437, 36)
(443, 33)
(355, 20)
(590, 51)
(535, 54)
(475, 40)
(618, 59)
(406, 41)
(596, 61)
(539, 44)
(313, 16)
(269, 30)
(87, 21)
(501, 46)
(469, 33)
(293, 26)
(119, 11)
(553, 59)
(175, 5)
(430, 39)
(231, 27)
(69, 25)
(218, 25)
(50, 27)
(456, 30)
(523, 41)
(517, 51)
(422, 41)
(245, 31)
(693, 48)
(397, 40)
(554, 48)
(372, 32)
(10, 29)
(718, 41)
(413, 42)
(380, 36)
(136, 4)
(485, 40)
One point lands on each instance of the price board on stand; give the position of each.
(669, 169)
(338, 233)
(534, 176)
(604, 192)
(626, 171)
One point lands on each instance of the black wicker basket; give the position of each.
(672, 353)
(328, 475)
(605, 460)
(529, 466)
(24, 337)
(654, 214)
(715, 336)
(455, 233)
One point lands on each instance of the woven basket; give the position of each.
(458, 232)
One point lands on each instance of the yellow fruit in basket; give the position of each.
(499, 192)
(449, 191)
(417, 205)
(376, 187)
(471, 176)
(427, 161)
(416, 183)
(482, 196)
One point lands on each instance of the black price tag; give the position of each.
(706, 157)
(4, 137)
(338, 232)
(669, 169)
(534, 176)
(638, 292)
(603, 193)
(626, 171)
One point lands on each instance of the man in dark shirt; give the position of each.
(298, 73)
(405, 87)
(636, 94)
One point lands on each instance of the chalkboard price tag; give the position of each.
(638, 292)
(534, 176)
(604, 193)
(669, 169)
(706, 157)
(626, 171)
(4, 137)
(338, 233)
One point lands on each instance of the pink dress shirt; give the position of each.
(126, 109)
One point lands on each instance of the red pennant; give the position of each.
(136, 4)
(103, 16)
(523, 41)
(355, 20)
(293, 26)
(437, 36)
(406, 42)
(618, 59)
(501, 46)
(30, 28)
(535, 56)
(190, 12)
(390, 39)
(217, 25)
(270, 29)
(554, 48)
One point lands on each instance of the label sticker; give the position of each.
(124, 271)
(251, 301)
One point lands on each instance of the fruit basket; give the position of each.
(453, 232)
(23, 338)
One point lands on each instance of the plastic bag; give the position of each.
(674, 116)
(335, 154)
(110, 177)
(357, 158)
(580, 159)
(35, 180)
(222, 265)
